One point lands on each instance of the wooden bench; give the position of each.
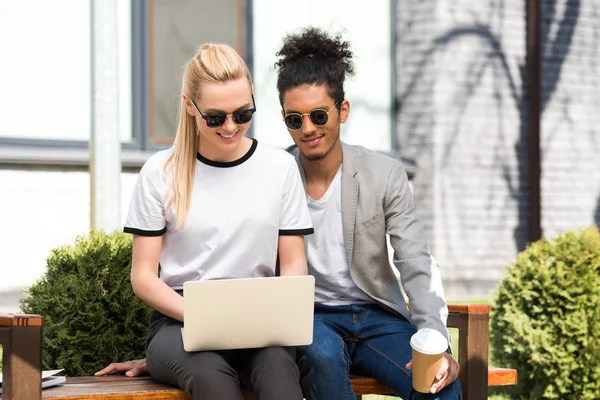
(21, 338)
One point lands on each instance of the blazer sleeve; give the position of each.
(419, 271)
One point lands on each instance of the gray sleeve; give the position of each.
(419, 271)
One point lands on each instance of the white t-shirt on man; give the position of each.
(237, 212)
(326, 251)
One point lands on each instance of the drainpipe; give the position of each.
(534, 65)
(105, 142)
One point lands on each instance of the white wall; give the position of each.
(41, 210)
(367, 26)
(45, 93)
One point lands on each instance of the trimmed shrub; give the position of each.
(545, 320)
(91, 315)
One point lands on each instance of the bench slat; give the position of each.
(21, 320)
(118, 387)
(468, 308)
(496, 377)
(113, 388)
(502, 377)
(362, 385)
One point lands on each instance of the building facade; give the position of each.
(441, 84)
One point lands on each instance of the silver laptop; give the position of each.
(248, 313)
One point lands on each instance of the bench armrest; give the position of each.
(472, 321)
(21, 340)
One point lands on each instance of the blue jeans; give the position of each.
(364, 340)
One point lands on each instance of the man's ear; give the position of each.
(344, 111)
(188, 105)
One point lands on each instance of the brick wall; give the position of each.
(571, 122)
(463, 119)
(416, 69)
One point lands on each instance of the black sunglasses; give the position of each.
(239, 117)
(318, 117)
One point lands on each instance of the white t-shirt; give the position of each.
(237, 212)
(326, 253)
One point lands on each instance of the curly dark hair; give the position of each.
(314, 57)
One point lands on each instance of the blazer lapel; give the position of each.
(349, 198)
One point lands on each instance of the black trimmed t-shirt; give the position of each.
(237, 212)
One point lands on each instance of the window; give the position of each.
(45, 79)
(45, 87)
(173, 32)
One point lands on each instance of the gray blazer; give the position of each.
(377, 200)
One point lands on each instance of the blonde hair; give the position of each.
(212, 63)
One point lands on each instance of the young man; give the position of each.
(356, 197)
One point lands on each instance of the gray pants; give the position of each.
(270, 372)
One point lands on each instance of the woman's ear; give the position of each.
(189, 107)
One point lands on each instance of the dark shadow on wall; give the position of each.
(555, 49)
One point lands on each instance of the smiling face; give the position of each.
(315, 142)
(221, 143)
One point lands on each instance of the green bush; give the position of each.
(545, 320)
(91, 315)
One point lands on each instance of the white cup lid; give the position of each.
(429, 341)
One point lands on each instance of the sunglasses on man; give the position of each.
(318, 116)
(216, 120)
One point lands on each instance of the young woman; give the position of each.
(217, 205)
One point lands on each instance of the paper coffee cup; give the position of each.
(428, 347)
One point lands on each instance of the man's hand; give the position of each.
(131, 368)
(447, 373)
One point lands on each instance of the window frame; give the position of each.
(143, 109)
(15, 150)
